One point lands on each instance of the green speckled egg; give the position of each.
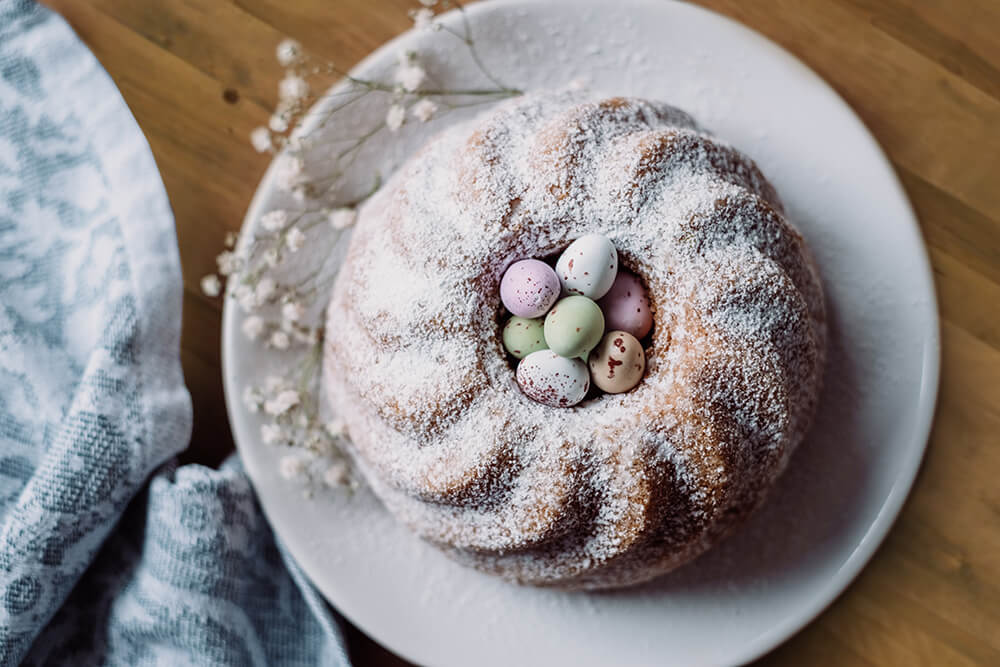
(574, 326)
(522, 336)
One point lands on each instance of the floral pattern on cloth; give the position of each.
(99, 564)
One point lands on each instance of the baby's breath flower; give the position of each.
(290, 172)
(265, 289)
(252, 398)
(289, 401)
(342, 218)
(280, 340)
(252, 327)
(293, 311)
(423, 19)
(410, 77)
(272, 257)
(395, 117)
(299, 142)
(228, 262)
(278, 122)
(260, 139)
(272, 434)
(274, 221)
(275, 384)
(428, 3)
(315, 442)
(289, 52)
(336, 428)
(211, 285)
(424, 110)
(295, 239)
(231, 239)
(336, 475)
(282, 403)
(292, 88)
(292, 466)
(245, 297)
(409, 74)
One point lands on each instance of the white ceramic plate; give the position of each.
(845, 485)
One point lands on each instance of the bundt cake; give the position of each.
(622, 487)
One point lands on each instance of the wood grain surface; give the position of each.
(923, 74)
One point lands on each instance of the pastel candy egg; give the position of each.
(522, 336)
(574, 326)
(626, 306)
(546, 377)
(529, 288)
(588, 266)
(617, 363)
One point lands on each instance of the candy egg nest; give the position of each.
(573, 328)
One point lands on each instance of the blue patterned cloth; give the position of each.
(109, 553)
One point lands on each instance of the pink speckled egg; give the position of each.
(626, 306)
(552, 380)
(529, 288)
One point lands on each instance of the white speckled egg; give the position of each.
(588, 266)
(617, 363)
(552, 380)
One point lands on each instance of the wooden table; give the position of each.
(923, 74)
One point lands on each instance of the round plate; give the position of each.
(844, 486)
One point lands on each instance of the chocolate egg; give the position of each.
(546, 377)
(522, 336)
(574, 326)
(588, 266)
(626, 306)
(617, 363)
(529, 288)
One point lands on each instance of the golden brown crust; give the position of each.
(621, 488)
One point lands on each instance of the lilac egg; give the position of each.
(626, 306)
(529, 288)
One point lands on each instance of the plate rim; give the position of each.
(926, 404)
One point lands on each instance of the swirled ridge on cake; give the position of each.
(622, 487)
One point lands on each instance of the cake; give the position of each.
(622, 487)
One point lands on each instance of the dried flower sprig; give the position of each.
(276, 308)
(295, 93)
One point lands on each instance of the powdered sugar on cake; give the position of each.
(621, 487)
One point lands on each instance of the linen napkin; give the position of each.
(110, 553)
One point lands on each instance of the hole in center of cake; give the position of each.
(575, 323)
